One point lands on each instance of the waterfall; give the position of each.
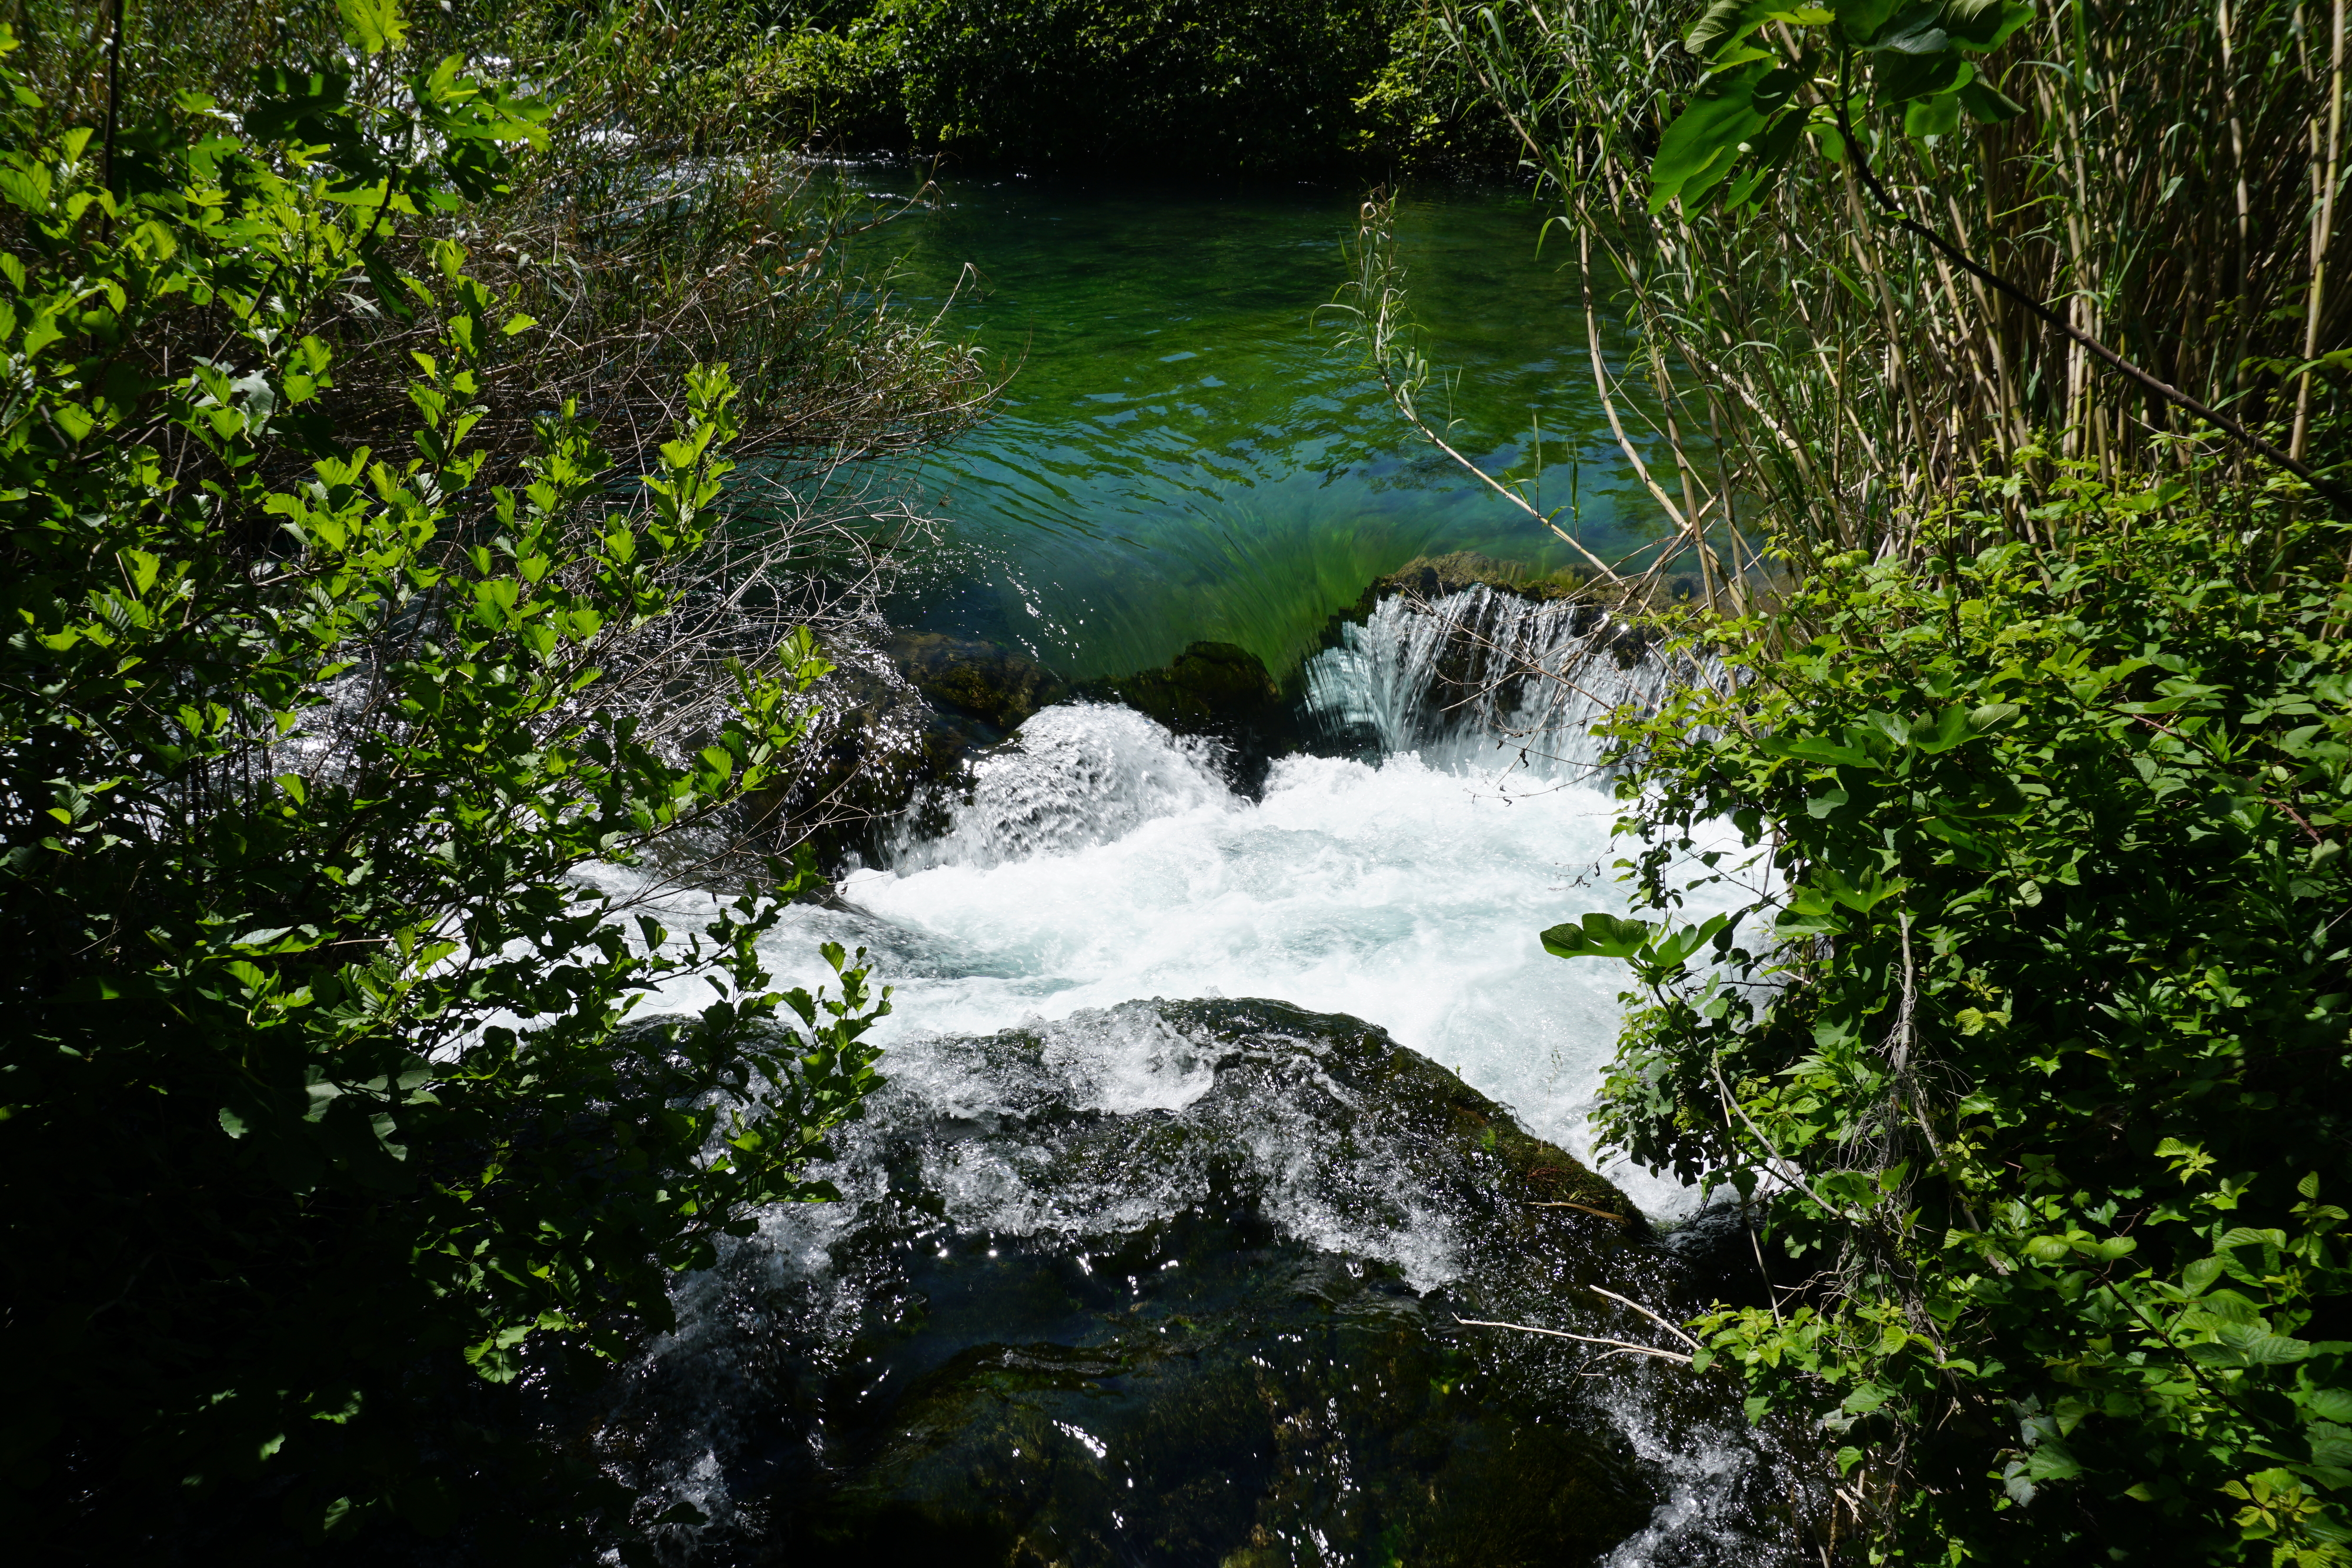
(1462, 679)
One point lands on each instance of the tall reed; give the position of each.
(2173, 192)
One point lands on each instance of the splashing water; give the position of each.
(1099, 862)
(1467, 681)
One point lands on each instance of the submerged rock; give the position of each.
(1174, 1284)
(900, 738)
(1207, 688)
(978, 680)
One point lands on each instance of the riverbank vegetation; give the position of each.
(340, 635)
(2018, 330)
(1160, 88)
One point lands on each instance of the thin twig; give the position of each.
(1672, 1329)
(1580, 1338)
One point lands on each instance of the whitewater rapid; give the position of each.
(1101, 860)
(1099, 873)
(1398, 893)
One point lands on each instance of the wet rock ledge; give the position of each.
(904, 725)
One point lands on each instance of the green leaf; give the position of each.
(1726, 21)
(1902, 77)
(26, 187)
(1866, 1398)
(1596, 935)
(2050, 1461)
(2246, 1236)
(1918, 30)
(2243, 1344)
(1981, 25)
(1937, 116)
(1987, 105)
(1951, 727)
(2330, 1404)
(1861, 897)
(1812, 748)
(1860, 20)
(1699, 148)
(374, 26)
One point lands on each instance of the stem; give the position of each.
(1580, 1338)
(113, 96)
(1894, 213)
(2327, 231)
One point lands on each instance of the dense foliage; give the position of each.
(2027, 1054)
(2033, 1052)
(1150, 88)
(323, 1108)
(1800, 212)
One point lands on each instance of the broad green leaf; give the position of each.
(2050, 1461)
(2242, 1344)
(2247, 1236)
(2330, 1404)
(1596, 935)
(1859, 20)
(1917, 29)
(1726, 21)
(26, 187)
(1949, 729)
(1987, 104)
(1699, 148)
(1861, 897)
(1901, 77)
(1982, 24)
(1937, 116)
(374, 26)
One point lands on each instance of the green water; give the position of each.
(1185, 453)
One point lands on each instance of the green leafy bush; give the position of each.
(321, 1114)
(1155, 87)
(2034, 1054)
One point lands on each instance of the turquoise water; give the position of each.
(1186, 452)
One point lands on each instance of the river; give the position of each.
(1153, 1249)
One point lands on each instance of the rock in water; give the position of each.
(995, 684)
(1218, 690)
(1174, 1284)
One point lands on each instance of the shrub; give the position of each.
(323, 1112)
(2032, 1055)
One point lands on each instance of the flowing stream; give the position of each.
(1209, 1112)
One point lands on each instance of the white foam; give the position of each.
(1402, 895)
(1102, 861)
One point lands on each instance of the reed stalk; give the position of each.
(2135, 267)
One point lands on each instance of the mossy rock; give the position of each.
(1432, 575)
(1138, 1285)
(1435, 576)
(981, 680)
